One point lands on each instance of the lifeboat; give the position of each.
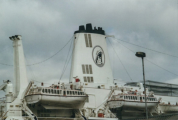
(132, 102)
(55, 98)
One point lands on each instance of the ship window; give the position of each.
(86, 40)
(48, 90)
(75, 92)
(67, 92)
(85, 79)
(57, 91)
(43, 90)
(90, 41)
(70, 92)
(143, 98)
(64, 92)
(124, 97)
(78, 93)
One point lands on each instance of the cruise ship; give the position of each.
(90, 93)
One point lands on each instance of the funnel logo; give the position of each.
(98, 56)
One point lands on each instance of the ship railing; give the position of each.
(56, 91)
(133, 98)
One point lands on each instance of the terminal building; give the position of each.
(159, 88)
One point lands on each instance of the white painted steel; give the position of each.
(83, 55)
(20, 74)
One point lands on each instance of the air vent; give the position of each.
(88, 40)
(87, 69)
(90, 67)
(88, 79)
(91, 79)
(83, 69)
(85, 79)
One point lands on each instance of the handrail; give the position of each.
(3, 115)
(28, 88)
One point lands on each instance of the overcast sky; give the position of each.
(47, 25)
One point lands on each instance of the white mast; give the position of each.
(20, 75)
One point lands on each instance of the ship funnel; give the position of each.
(88, 27)
(20, 75)
(81, 27)
(90, 61)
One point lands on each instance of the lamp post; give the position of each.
(142, 55)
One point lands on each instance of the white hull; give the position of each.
(131, 104)
(54, 101)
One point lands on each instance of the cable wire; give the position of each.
(52, 55)
(149, 60)
(66, 67)
(44, 59)
(147, 48)
(63, 70)
(121, 62)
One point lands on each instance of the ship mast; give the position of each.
(20, 75)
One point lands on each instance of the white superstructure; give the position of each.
(90, 94)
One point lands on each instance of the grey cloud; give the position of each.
(47, 25)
